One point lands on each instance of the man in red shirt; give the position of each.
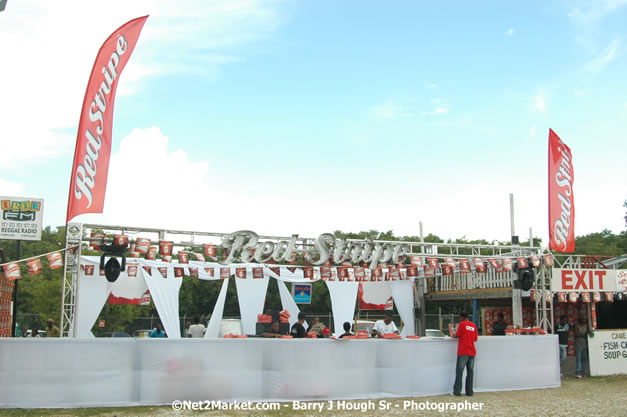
(467, 335)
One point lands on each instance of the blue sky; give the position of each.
(306, 117)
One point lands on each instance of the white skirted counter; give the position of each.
(124, 372)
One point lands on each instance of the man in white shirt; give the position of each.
(196, 330)
(384, 326)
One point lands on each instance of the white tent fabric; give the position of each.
(93, 292)
(251, 295)
(403, 294)
(165, 294)
(343, 298)
(213, 328)
(289, 304)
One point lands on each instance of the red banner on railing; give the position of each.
(93, 144)
(561, 198)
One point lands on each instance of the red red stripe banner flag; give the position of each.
(93, 144)
(561, 201)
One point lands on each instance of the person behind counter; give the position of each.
(274, 330)
(498, 328)
(384, 326)
(347, 330)
(317, 326)
(298, 330)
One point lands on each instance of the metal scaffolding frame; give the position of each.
(78, 234)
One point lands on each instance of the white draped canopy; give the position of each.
(251, 290)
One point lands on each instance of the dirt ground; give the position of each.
(599, 396)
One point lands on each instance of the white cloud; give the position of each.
(533, 131)
(431, 85)
(579, 93)
(48, 50)
(603, 59)
(510, 32)
(440, 108)
(539, 103)
(389, 110)
(8, 188)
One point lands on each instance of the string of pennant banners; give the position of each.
(346, 272)
(12, 270)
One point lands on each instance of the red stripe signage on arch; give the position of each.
(561, 198)
(93, 144)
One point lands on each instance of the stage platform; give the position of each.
(125, 372)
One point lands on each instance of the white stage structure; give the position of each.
(38, 373)
(165, 291)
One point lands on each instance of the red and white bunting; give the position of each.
(55, 260)
(447, 270)
(548, 260)
(450, 262)
(585, 297)
(34, 266)
(464, 266)
(209, 250)
(609, 297)
(240, 273)
(198, 257)
(225, 273)
(120, 240)
(416, 260)
(151, 255)
(167, 258)
(480, 266)
(183, 257)
(522, 263)
(89, 270)
(163, 270)
(257, 273)
(573, 297)
(12, 271)
(561, 297)
(507, 264)
(433, 263)
(210, 272)
(142, 245)
(131, 270)
(412, 271)
(193, 272)
(179, 272)
(95, 244)
(535, 261)
(493, 263)
(165, 247)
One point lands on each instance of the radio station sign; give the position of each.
(588, 280)
(21, 218)
(608, 352)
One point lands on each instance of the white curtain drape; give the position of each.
(403, 294)
(251, 295)
(343, 298)
(165, 294)
(288, 303)
(213, 328)
(93, 292)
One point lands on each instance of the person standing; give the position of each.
(562, 332)
(467, 335)
(197, 330)
(582, 330)
(53, 331)
(498, 328)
